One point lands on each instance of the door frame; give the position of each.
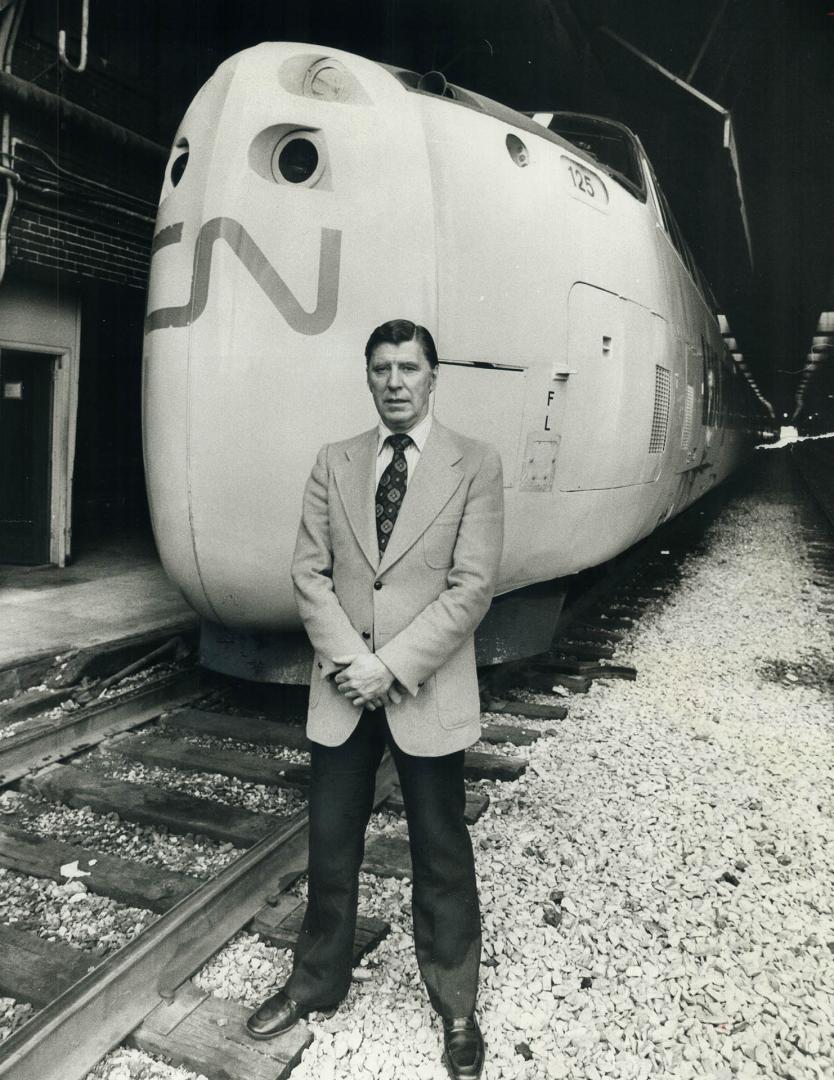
(64, 411)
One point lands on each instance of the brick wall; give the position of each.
(40, 238)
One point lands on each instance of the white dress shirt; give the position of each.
(385, 451)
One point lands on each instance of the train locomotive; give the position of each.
(311, 195)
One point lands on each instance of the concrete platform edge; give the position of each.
(28, 671)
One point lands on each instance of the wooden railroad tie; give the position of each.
(279, 772)
(530, 710)
(583, 650)
(480, 766)
(476, 803)
(587, 669)
(242, 728)
(508, 733)
(610, 621)
(387, 856)
(581, 632)
(151, 805)
(280, 924)
(543, 682)
(133, 883)
(37, 970)
(208, 1035)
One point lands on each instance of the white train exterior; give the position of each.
(312, 195)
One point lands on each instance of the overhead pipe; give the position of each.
(25, 94)
(729, 138)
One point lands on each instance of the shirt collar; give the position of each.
(418, 434)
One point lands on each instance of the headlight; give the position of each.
(322, 78)
(326, 80)
(295, 159)
(298, 158)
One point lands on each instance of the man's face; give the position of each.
(401, 380)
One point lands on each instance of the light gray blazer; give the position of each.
(418, 606)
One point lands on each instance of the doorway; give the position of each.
(26, 396)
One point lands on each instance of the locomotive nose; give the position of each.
(282, 240)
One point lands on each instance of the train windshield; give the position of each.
(607, 142)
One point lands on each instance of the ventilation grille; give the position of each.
(689, 410)
(660, 416)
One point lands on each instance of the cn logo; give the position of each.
(269, 280)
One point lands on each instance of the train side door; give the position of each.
(25, 456)
(618, 393)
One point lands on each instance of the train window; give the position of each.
(605, 141)
(711, 404)
(179, 162)
(673, 230)
(682, 248)
(518, 151)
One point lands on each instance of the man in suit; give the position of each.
(395, 565)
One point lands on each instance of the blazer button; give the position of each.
(377, 584)
(419, 684)
(365, 635)
(319, 664)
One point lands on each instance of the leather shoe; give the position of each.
(463, 1047)
(278, 1014)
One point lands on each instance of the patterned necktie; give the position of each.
(390, 491)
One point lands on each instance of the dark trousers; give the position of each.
(447, 925)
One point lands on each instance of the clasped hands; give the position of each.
(366, 681)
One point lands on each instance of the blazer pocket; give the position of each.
(458, 699)
(439, 543)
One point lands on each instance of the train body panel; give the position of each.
(571, 334)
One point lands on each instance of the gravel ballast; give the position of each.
(657, 888)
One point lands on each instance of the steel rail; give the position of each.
(66, 1039)
(45, 742)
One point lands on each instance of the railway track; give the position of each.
(814, 461)
(143, 992)
(91, 758)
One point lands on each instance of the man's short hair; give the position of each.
(395, 332)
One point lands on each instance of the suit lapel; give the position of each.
(355, 479)
(435, 480)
